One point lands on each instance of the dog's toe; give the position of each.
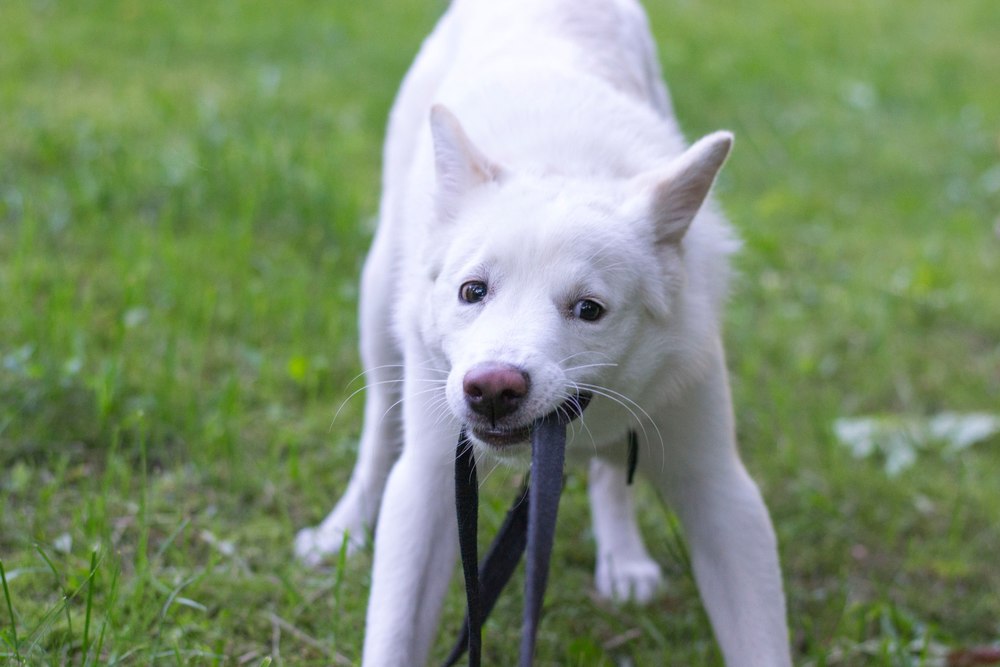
(307, 549)
(636, 579)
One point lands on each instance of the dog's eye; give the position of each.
(473, 291)
(588, 310)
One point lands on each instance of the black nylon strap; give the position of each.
(498, 566)
(548, 450)
(522, 528)
(530, 524)
(467, 506)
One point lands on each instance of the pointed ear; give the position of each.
(679, 192)
(459, 165)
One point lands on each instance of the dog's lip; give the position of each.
(500, 438)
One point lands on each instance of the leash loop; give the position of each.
(529, 525)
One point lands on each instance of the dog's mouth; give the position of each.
(502, 438)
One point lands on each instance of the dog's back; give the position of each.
(480, 51)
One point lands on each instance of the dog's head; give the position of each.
(548, 289)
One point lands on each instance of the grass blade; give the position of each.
(109, 605)
(59, 582)
(90, 603)
(341, 568)
(10, 610)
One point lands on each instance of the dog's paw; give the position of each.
(313, 545)
(307, 547)
(634, 579)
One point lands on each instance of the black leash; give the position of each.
(530, 523)
(495, 571)
(548, 451)
(467, 504)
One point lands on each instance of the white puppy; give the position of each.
(545, 232)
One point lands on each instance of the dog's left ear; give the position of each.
(459, 165)
(679, 191)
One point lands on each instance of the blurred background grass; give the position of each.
(185, 196)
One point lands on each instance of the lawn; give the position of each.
(186, 195)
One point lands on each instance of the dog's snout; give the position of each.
(495, 390)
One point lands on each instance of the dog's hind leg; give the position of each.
(625, 570)
(381, 436)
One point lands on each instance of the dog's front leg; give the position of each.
(625, 570)
(732, 543)
(416, 541)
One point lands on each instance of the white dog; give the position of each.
(545, 233)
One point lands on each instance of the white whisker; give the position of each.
(380, 383)
(577, 368)
(577, 354)
(625, 401)
(429, 390)
(574, 396)
(497, 463)
(374, 369)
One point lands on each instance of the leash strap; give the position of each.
(548, 450)
(530, 524)
(497, 567)
(467, 505)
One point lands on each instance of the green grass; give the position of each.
(184, 196)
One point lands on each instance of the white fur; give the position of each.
(532, 148)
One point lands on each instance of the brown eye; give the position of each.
(473, 291)
(588, 310)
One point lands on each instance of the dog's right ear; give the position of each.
(459, 165)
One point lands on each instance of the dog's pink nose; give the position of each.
(495, 390)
